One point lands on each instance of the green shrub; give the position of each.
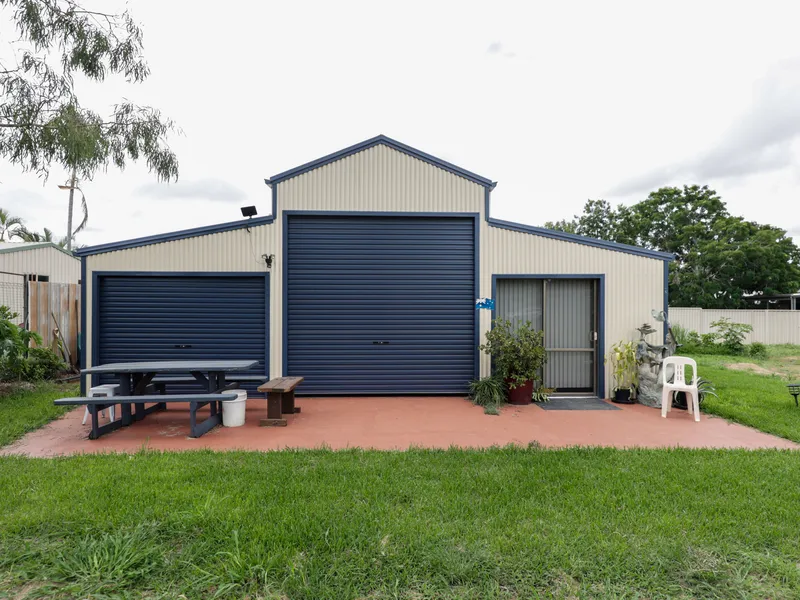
(488, 391)
(519, 355)
(758, 350)
(18, 361)
(732, 334)
(704, 387)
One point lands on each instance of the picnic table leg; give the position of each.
(125, 388)
(95, 424)
(192, 418)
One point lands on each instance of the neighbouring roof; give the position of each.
(8, 247)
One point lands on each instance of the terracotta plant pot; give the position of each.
(622, 397)
(520, 395)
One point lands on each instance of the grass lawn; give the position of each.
(23, 410)
(758, 400)
(504, 523)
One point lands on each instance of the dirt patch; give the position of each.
(753, 368)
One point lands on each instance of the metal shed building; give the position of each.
(377, 254)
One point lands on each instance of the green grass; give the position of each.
(24, 410)
(504, 523)
(760, 401)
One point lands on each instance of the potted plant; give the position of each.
(624, 370)
(518, 355)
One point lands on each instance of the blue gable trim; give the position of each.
(176, 235)
(386, 141)
(571, 237)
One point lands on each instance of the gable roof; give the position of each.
(386, 141)
(8, 247)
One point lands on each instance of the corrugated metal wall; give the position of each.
(633, 284)
(769, 326)
(58, 266)
(383, 179)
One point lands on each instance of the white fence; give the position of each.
(769, 326)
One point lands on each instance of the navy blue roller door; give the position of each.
(179, 317)
(381, 305)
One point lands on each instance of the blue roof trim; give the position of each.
(175, 235)
(579, 239)
(386, 141)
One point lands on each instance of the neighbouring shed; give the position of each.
(364, 280)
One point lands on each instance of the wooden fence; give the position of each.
(54, 308)
(769, 326)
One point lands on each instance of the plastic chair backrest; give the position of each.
(678, 363)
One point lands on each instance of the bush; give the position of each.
(758, 350)
(489, 392)
(519, 355)
(18, 361)
(732, 334)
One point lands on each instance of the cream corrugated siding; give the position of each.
(633, 284)
(58, 266)
(381, 179)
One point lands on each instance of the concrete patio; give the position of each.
(390, 423)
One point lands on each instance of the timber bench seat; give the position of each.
(161, 381)
(159, 401)
(280, 400)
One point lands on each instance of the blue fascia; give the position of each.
(601, 313)
(571, 237)
(386, 141)
(177, 235)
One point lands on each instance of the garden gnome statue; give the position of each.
(650, 359)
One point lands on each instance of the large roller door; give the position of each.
(381, 305)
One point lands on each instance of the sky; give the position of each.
(558, 102)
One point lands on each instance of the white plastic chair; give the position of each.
(102, 391)
(678, 384)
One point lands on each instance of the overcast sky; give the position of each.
(557, 101)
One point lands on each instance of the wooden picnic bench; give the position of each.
(96, 404)
(280, 400)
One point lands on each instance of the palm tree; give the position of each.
(9, 226)
(34, 236)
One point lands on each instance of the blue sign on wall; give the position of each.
(485, 303)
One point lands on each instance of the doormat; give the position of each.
(576, 404)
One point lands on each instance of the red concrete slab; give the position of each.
(398, 423)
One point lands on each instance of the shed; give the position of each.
(364, 280)
(33, 261)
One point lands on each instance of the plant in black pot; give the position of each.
(624, 370)
(518, 356)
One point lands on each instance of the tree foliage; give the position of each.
(718, 257)
(41, 118)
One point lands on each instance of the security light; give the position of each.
(249, 211)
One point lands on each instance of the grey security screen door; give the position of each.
(567, 311)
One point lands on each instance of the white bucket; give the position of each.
(233, 410)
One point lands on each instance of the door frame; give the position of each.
(92, 357)
(600, 278)
(476, 218)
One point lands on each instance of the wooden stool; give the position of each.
(280, 400)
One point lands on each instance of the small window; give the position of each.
(44, 278)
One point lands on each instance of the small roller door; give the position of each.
(381, 305)
(177, 317)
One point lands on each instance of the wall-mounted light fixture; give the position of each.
(249, 211)
(268, 258)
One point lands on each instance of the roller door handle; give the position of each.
(182, 346)
(380, 343)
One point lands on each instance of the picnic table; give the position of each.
(136, 379)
